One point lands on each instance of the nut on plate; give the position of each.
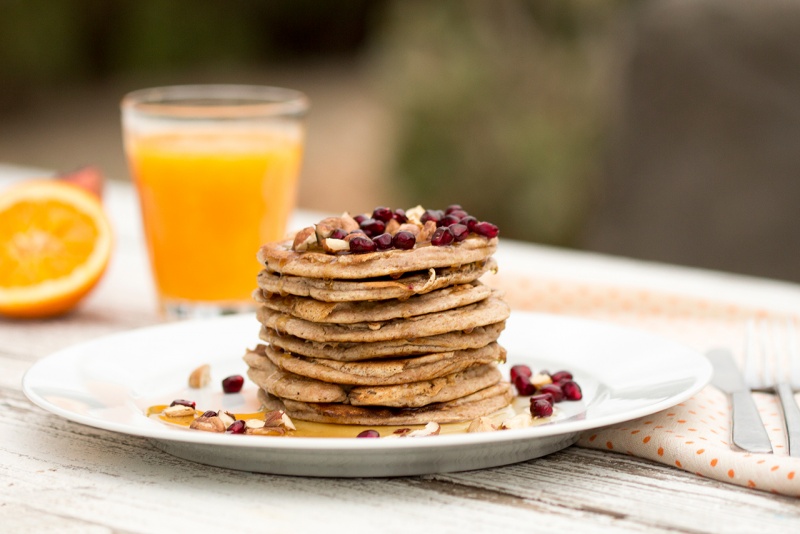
(208, 424)
(200, 377)
(521, 420)
(179, 410)
(481, 424)
(304, 239)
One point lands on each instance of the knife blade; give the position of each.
(747, 429)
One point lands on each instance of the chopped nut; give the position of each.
(179, 410)
(410, 227)
(200, 377)
(521, 420)
(326, 227)
(431, 429)
(254, 423)
(415, 214)
(540, 380)
(348, 223)
(287, 422)
(481, 424)
(335, 245)
(304, 239)
(426, 232)
(227, 418)
(208, 424)
(392, 226)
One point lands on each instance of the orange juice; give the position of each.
(209, 201)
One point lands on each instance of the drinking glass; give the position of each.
(216, 169)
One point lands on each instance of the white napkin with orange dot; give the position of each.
(694, 435)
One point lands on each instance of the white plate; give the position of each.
(109, 382)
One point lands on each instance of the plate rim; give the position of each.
(701, 379)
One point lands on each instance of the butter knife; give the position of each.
(747, 429)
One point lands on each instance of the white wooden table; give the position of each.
(62, 476)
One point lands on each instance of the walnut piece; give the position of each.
(521, 420)
(208, 424)
(481, 424)
(304, 239)
(200, 377)
(179, 410)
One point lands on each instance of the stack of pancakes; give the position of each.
(392, 337)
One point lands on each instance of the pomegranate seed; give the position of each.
(458, 213)
(453, 207)
(404, 240)
(372, 227)
(486, 229)
(459, 231)
(369, 434)
(442, 236)
(237, 427)
(382, 214)
(572, 391)
(543, 396)
(449, 220)
(399, 215)
(184, 402)
(561, 376)
(383, 241)
(338, 234)
(541, 408)
(233, 384)
(518, 370)
(469, 221)
(431, 215)
(210, 413)
(554, 390)
(360, 245)
(524, 386)
(360, 218)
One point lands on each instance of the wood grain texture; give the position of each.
(61, 476)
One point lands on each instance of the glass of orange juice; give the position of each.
(216, 169)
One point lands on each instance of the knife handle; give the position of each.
(791, 416)
(748, 431)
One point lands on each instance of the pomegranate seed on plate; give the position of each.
(543, 396)
(524, 386)
(183, 402)
(449, 220)
(554, 390)
(541, 408)
(233, 384)
(518, 370)
(399, 215)
(469, 221)
(572, 391)
(237, 427)
(459, 231)
(369, 434)
(453, 207)
(338, 234)
(210, 413)
(561, 376)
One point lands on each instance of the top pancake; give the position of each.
(279, 257)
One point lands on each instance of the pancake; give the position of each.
(386, 372)
(487, 311)
(294, 387)
(478, 404)
(280, 258)
(382, 310)
(477, 337)
(416, 283)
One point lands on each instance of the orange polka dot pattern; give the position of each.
(694, 435)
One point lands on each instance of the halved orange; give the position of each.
(55, 243)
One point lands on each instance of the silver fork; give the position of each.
(772, 363)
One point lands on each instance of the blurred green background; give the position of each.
(663, 130)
